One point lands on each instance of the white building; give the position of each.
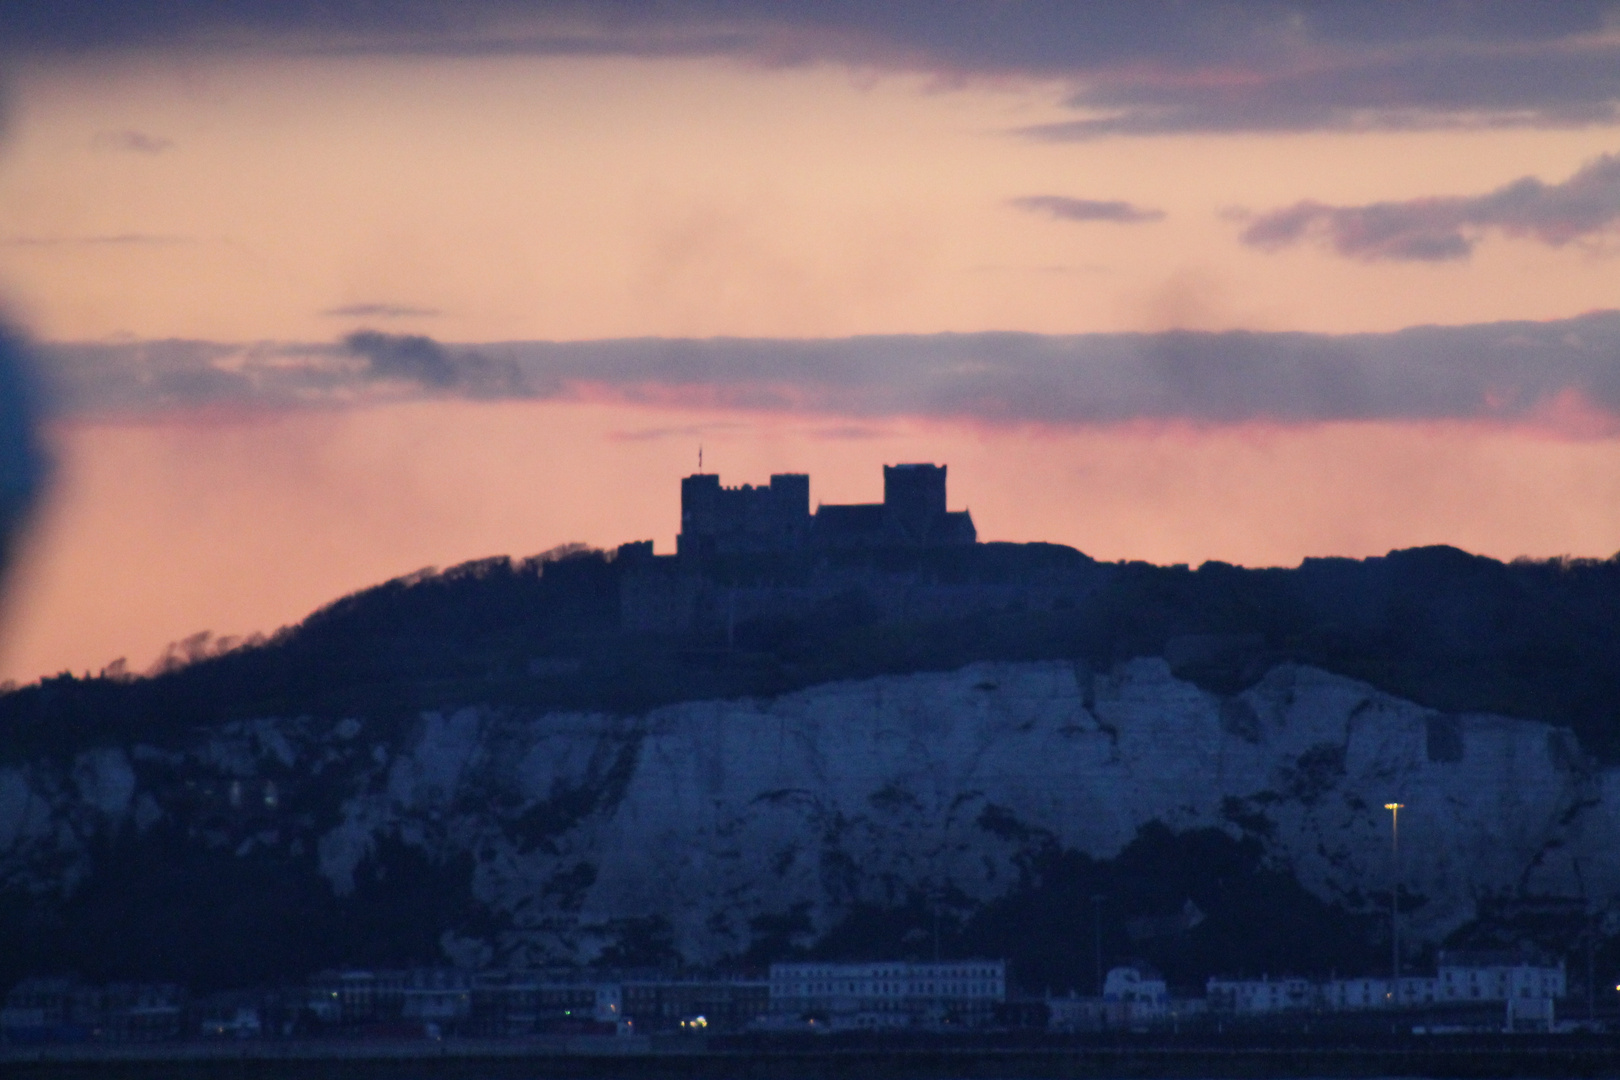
(1367, 992)
(1497, 976)
(891, 993)
(1415, 990)
(1139, 994)
(1462, 977)
(1374, 992)
(1074, 1013)
(437, 995)
(1133, 998)
(1262, 995)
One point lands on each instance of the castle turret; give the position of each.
(911, 514)
(700, 514)
(722, 520)
(718, 520)
(914, 499)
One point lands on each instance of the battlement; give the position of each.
(718, 520)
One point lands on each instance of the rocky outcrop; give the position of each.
(712, 816)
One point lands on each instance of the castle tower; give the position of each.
(721, 520)
(914, 498)
(700, 515)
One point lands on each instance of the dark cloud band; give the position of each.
(1511, 371)
(1586, 204)
(1065, 208)
(1135, 68)
(382, 311)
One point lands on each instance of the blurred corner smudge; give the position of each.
(22, 457)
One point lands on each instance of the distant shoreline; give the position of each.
(1462, 1058)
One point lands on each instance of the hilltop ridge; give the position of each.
(1446, 629)
(484, 765)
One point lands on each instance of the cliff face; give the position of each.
(563, 833)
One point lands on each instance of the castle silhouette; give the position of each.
(759, 555)
(776, 517)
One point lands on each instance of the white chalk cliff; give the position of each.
(713, 813)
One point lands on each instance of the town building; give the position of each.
(1374, 992)
(891, 994)
(1134, 998)
(241, 1022)
(437, 996)
(718, 1005)
(454, 1000)
(355, 996)
(248, 1014)
(50, 1010)
(1262, 995)
(142, 1012)
(63, 1009)
(1139, 993)
(513, 1003)
(1476, 975)
(1462, 977)
(1366, 992)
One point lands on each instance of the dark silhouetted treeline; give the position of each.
(1453, 631)
(188, 897)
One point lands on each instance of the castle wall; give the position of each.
(718, 520)
(663, 600)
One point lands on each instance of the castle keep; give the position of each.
(718, 520)
(757, 555)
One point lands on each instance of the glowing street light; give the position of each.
(1395, 809)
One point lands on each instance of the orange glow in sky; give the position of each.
(163, 529)
(265, 198)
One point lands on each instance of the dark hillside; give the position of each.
(1454, 631)
(213, 870)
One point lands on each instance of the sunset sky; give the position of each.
(323, 294)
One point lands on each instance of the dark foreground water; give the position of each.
(1549, 1057)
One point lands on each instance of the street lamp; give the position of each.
(1395, 809)
(1096, 914)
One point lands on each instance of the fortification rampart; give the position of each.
(776, 517)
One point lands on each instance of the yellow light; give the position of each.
(1394, 806)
